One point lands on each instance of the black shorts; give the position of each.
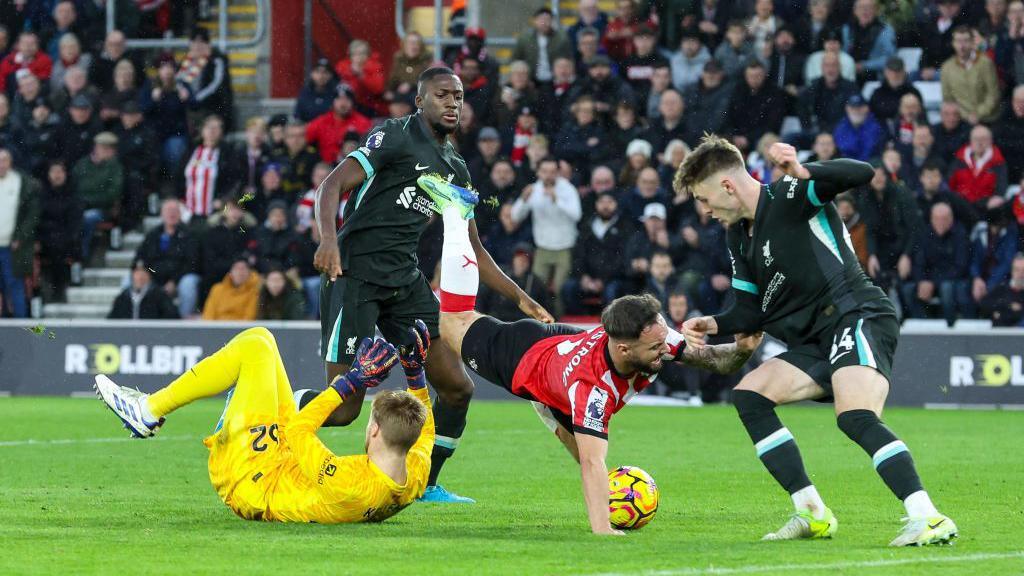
(858, 339)
(350, 309)
(493, 349)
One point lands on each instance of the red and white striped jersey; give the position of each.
(305, 210)
(201, 180)
(574, 375)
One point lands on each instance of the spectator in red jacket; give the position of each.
(618, 36)
(327, 131)
(980, 169)
(27, 55)
(364, 72)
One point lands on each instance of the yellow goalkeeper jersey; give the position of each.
(309, 483)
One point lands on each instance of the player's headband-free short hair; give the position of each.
(400, 416)
(712, 156)
(627, 317)
(431, 73)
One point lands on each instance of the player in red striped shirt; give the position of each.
(576, 379)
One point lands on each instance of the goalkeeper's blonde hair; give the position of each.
(400, 416)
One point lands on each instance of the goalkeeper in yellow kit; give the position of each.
(266, 461)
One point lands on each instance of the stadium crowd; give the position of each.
(573, 151)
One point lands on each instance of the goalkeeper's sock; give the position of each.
(460, 275)
(449, 423)
(889, 455)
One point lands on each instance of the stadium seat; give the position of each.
(931, 92)
(869, 89)
(911, 58)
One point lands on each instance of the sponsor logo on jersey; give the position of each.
(567, 346)
(421, 168)
(407, 197)
(350, 345)
(767, 253)
(410, 200)
(375, 140)
(773, 287)
(597, 402)
(323, 470)
(581, 351)
(472, 364)
(792, 187)
(364, 150)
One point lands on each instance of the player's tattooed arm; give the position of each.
(723, 358)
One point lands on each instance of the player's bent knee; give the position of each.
(750, 404)
(854, 423)
(459, 394)
(255, 343)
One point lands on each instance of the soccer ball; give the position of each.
(633, 497)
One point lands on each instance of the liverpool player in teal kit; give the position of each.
(796, 277)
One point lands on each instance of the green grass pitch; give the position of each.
(82, 499)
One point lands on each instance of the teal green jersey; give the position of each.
(795, 273)
(386, 215)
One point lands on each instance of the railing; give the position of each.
(438, 41)
(262, 16)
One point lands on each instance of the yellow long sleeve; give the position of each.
(425, 444)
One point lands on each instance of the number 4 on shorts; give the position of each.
(844, 343)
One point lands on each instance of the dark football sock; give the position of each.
(774, 444)
(889, 455)
(449, 423)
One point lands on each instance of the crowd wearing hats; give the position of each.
(573, 149)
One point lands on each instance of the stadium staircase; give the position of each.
(245, 61)
(101, 284)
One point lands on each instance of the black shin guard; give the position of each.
(889, 455)
(774, 444)
(449, 423)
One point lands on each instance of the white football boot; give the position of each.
(128, 405)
